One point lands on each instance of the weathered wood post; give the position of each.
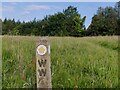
(43, 71)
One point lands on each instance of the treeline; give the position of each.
(106, 21)
(67, 23)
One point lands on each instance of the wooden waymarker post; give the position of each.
(43, 71)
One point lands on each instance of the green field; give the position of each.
(85, 62)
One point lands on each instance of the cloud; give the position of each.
(34, 8)
(28, 9)
(25, 13)
(0, 9)
(8, 8)
(13, 3)
(0, 12)
(37, 7)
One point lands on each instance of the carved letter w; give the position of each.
(42, 62)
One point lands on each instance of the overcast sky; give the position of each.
(29, 10)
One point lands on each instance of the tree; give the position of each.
(66, 23)
(74, 23)
(104, 22)
(0, 26)
(117, 8)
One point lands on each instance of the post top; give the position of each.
(43, 40)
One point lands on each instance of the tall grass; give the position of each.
(88, 62)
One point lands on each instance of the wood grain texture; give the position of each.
(43, 71)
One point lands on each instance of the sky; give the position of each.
(29, 10)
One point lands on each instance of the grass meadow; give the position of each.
(84, 62)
